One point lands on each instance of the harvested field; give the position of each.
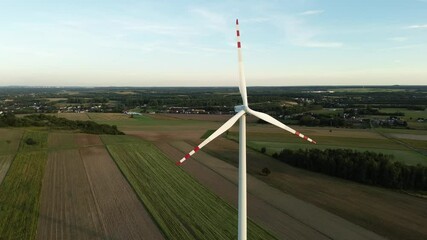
(86, 197)
(392, 214)
(59, 140)
(409, 136)
(123, 215)
(316, 131)
(181, 207)
(19, 196)
(68, 209)
(170, 135)
(107, 116)
(5, 162)
(9, 140)
(200, 117)
(74, 116)
(294, 218)
(87, 140)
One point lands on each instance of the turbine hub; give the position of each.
(240, 108)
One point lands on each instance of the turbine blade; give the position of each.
(275, 122)
(242, 80)
(227, 125)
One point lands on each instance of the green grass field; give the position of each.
(182, 207)
(19, 196)
(5, 161)
(38, 136)
(275, 142)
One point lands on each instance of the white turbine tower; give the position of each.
(241, 112)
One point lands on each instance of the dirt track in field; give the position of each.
(5, 162)
(284, 215)
(84, 196)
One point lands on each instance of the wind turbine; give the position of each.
(241, 112)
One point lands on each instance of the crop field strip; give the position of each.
(5, 161)
(74, 116)
(85, 196)
(9, 140)
(123, 215)
(183, 208)
(39, 137)
(20, 191)
(107, 116)
(67, 210)
(61, 140)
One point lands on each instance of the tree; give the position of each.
(263, 150)
(265, 171)
(30, 141)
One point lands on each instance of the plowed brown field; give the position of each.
(85, 196)
(86, 140)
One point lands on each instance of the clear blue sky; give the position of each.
(186, 43)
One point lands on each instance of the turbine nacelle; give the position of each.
(239, 108)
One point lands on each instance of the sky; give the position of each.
(193, 43)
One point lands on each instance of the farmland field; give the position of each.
(87, 140)
(107, 116)
(288, 217)
(131, 190)
(20, 189)
(40, 138)
(85, 196)
(370, 207)
(58, 140)
(361, 140)
(19, 196)
(183, 208)
(5, 161)
(74, 116)
(9, 140)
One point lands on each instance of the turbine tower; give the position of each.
(241, 112)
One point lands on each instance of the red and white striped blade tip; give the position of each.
(237, 21)
(180, 162)
(304, 137)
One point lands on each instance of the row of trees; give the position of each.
(42, 120)
(364, 167)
